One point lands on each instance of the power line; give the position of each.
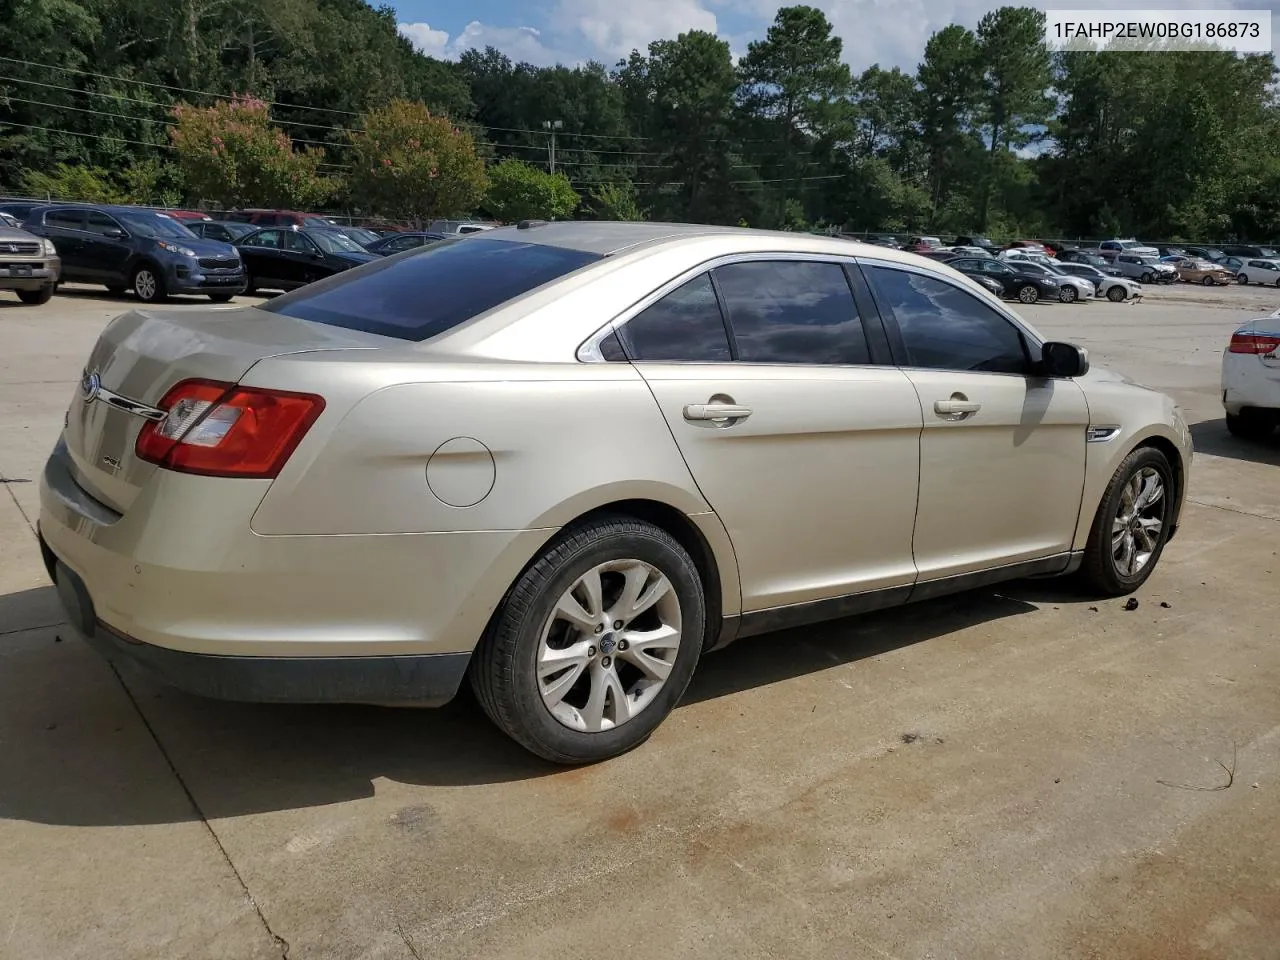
(96, 113)
(95, 136)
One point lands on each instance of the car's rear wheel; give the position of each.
(1028, 294)
(1131, 525)
(33, 298)
(148, 284)
(1250, 424)
(1068, 295)
(221, 297)
(1116, 294)
(595, 643)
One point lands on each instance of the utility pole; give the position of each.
(552, 126)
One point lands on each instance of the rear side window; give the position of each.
(792, 311)
(685, 325)
(67, 219)
(423, 294)
(944, 327)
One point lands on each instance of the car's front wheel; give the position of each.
(1148, 277)
(1068, 295)
(595, 643)
(1132, 524)
(1028, 294)
(221, 297)
(1208, 281)
(148, 284)
(34, 298)
(1116, 294)
(1242, 279)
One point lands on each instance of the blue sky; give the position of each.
(890, 32)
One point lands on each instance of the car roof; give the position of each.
(608, 238)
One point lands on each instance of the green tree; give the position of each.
(616, 200)
(230, 155)
(72, 182)
(949, 80)
(408, 162)
(518, 191)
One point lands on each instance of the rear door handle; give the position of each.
(716, 411)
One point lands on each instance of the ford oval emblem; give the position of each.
(90, 387)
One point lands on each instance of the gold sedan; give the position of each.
(1202, 271)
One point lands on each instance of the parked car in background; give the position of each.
(922, 244)
(185, 215)
(278, 218)
(990, 284)
(18, 209)
(126, 248)
(975, 241)
(228, 231)
(1111, 249)
(1115, 289)
(967, 251)
(29, 265)
(1212, 254)
(1090, 258)
(1028, 255)
(1259, 270)
(1251, 378)
(9, 220)
(459, 226)
(1167, 251)
(377, 487)
(281, 258)
(1245, 251)
(1196, 270)
(358, 234)
(1145, 267)
(1071, 288)
(1234, 264)
(399, 242)
(1017, 283)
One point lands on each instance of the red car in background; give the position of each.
(261, 217)
(184, 214)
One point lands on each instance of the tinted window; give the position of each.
(99, 223)
(67, 219)
(404, 243)
(331, 241)
(684, 325)
(427, 292)
(790, 311)
(945, 328)
(267, 238)
(297, 242)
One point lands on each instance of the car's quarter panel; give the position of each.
(1002, 485)
(817, 487)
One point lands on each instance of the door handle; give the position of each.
(716, 411)
(957, 408)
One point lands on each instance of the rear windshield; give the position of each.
(424, 292)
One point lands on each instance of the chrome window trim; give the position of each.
(589, 351)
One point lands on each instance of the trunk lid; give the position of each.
(143, 353)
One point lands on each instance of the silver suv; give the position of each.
(1145, 268)
(29, 265)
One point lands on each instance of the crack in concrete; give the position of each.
(281, 943)
(1243, 513)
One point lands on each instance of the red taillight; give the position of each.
(1254, 343)
(221, 430)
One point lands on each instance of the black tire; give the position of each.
(1116, 294)
(1242, 279)
(1208, 281)
(502, 668)
(1250, 424)
(1068, 295)
(249, 287)
(115, 290)
(1028, 294)
(1148, 277)
(1099, 570)
(33, 298)
(153, 291)
(221, 297)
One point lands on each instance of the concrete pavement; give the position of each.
(1021, 772)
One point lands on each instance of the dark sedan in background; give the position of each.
(399, 242)
(281, 258)
(227, 231)
(133, 248)
(1015, 282)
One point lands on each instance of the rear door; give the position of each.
(65, 227)
(1002, 453)
(806, 448)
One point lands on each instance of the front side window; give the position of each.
(431, 290)
(99, 223)
(946, 328)
(266, 238)
(684, 326)
(297, 242)
(792, 311)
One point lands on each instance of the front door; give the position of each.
(806, 450)
(106, 257)
(1002, 453)
(263, 256)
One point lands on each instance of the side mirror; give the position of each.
(317, 255)
(114, 233)
(1064, 359)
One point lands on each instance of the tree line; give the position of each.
(321, 103)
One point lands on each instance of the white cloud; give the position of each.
(613, 28)
(424, 39)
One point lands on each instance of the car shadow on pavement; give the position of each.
(1211, 437)
(238, 759)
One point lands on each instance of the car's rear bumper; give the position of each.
(180, 584)
(1248, 382)
(44, 273)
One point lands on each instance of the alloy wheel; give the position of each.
(1139, 522)
(1067, 295)
(609, 645)
(1115, 294)
(1028, 294)
(145, 285)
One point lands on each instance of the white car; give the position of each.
(1113, 248)
(1024, 255)
(1115, 289)
(1251, 378)
(1259, 270)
